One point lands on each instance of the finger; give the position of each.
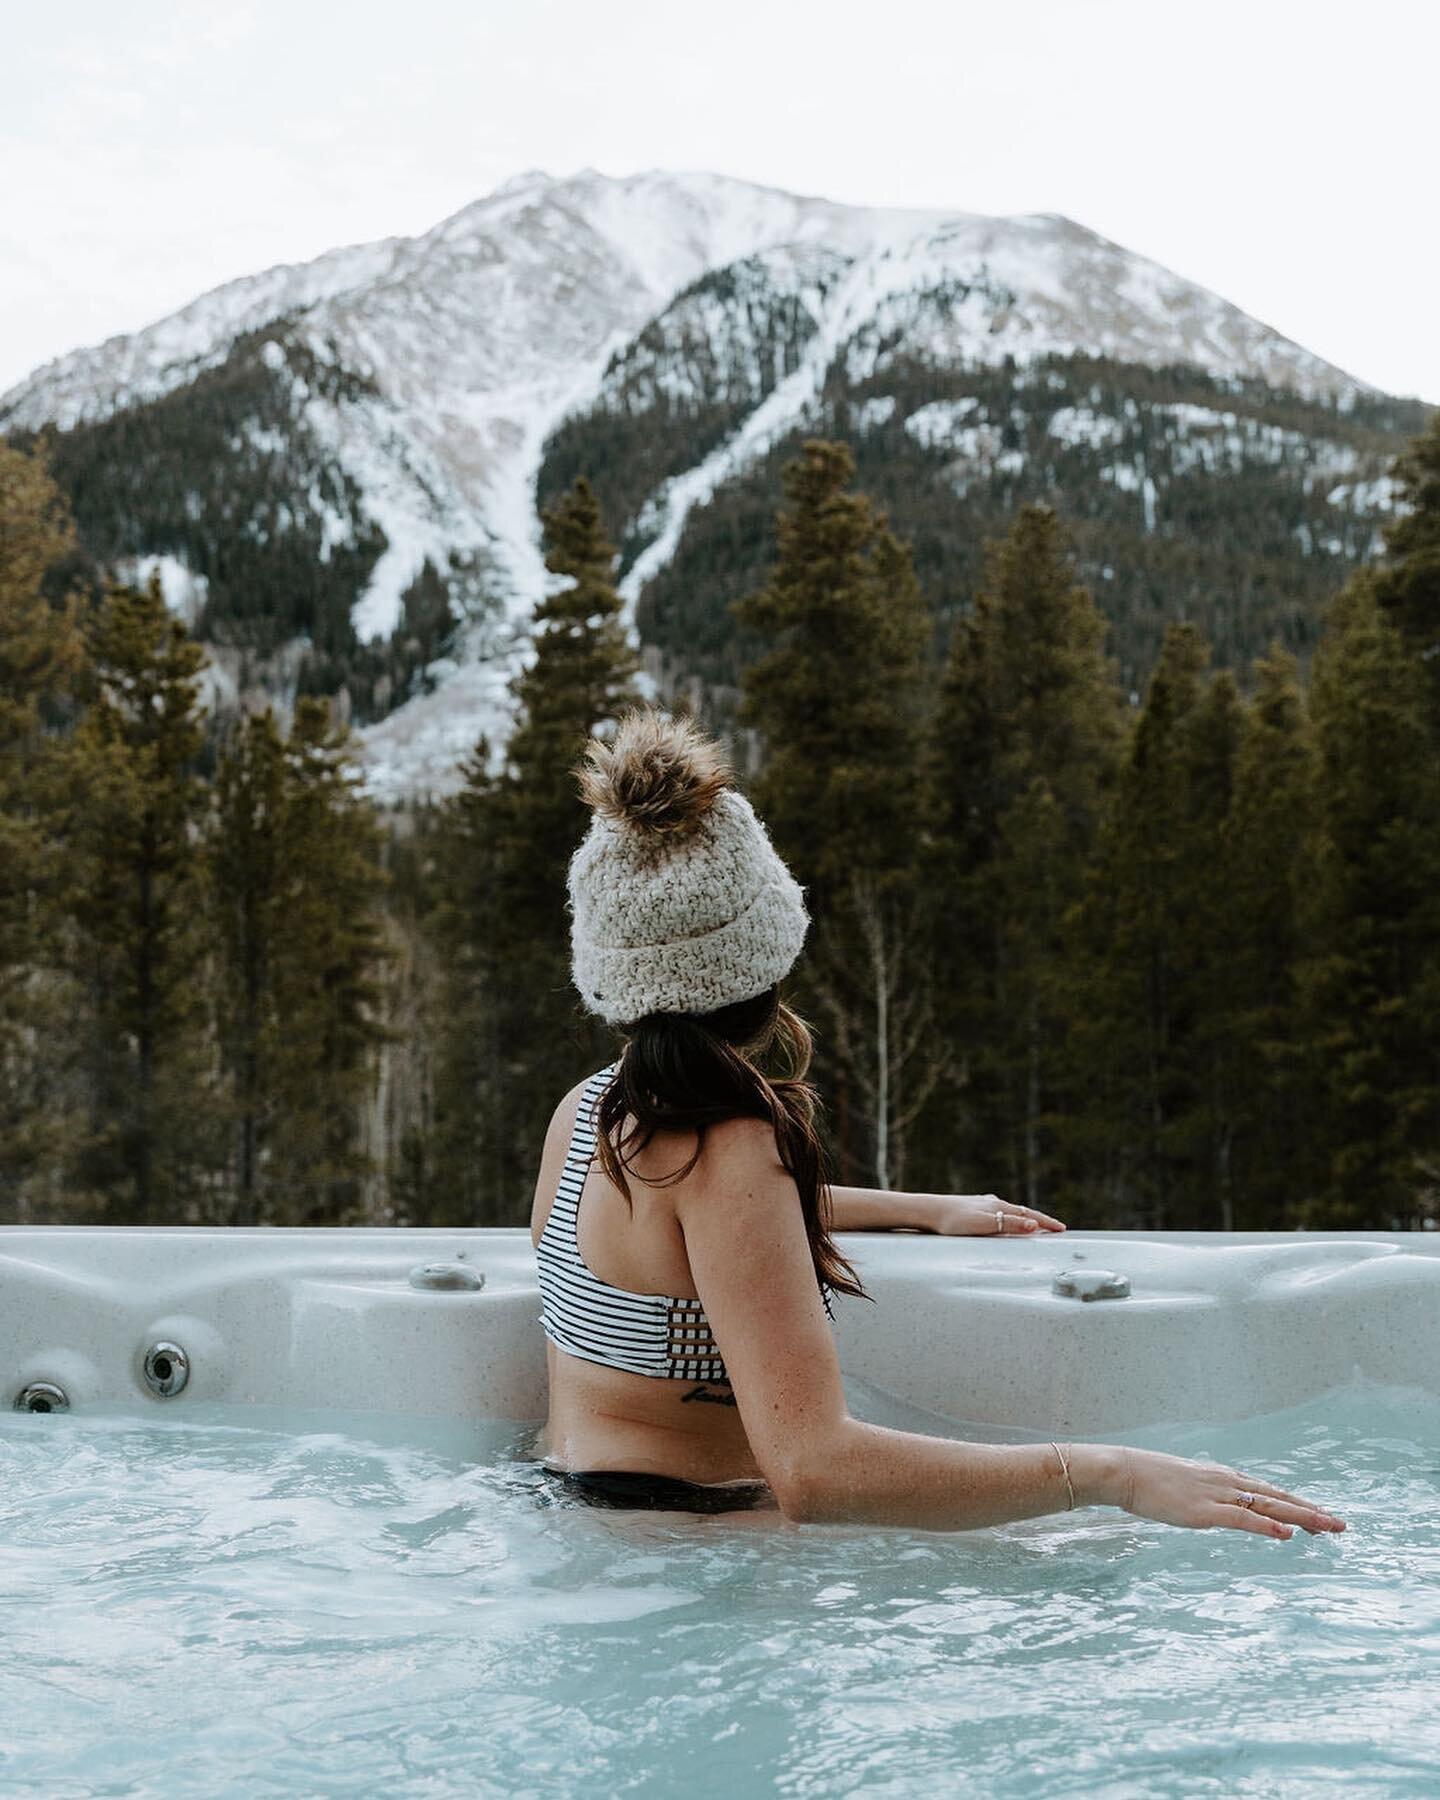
(1269, 1489)
(1243, 1518)
(1012, 1217)
(1300, 1512)
(1297, 1512)
(1021, 1218)
(1042, 1218)
(1017, 1218)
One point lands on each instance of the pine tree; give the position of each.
(1150, 1025)
(1373, 981)
(515, 1036)
(582, 675)
(838, 698)
(1022, 752)
(468, 1158)
(1202, 1137)
(1407, 586)
(40, 655)
(246, 884)
(149, 1149)
(404, 1111)
(1267, 865)
(328, 964)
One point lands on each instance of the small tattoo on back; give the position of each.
(703, 1393)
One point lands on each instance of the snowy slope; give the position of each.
(484, 333)
(479, 334)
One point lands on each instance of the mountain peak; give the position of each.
(424, 375)
(529, 178)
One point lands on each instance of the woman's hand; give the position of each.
(973, 1215)
(952, 1215)
(1178, 1491)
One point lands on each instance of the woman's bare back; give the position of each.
(604, 1418)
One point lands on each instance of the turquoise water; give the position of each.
(241, 1602)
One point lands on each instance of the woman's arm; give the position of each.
(745, 1237)
(955, 1215)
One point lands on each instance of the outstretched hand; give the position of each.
(973, 1215)
(1180, 1490)
(951, 1215)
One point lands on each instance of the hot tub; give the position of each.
(270, 1525)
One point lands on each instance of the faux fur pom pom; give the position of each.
(658, 775)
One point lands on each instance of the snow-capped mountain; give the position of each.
(422, 377)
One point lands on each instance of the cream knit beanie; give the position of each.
(678, 900)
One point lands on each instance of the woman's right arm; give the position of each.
(745, 1237)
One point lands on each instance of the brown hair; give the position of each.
(688, 1071)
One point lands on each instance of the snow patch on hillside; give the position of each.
(184, 591)
(1081, 426)
(877, 410)
(940, 424)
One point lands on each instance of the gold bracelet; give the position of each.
(1066, 1467)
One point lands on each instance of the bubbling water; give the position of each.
(257, 1602)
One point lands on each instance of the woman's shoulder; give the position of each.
(737, 1141)
(743, 1132)
(739, 1147)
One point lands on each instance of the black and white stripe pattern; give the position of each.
(648, 1334)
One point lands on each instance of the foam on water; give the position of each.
(233, 1600)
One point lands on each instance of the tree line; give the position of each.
(1240, 506)
(1158, 962)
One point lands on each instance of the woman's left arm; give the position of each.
(953, 1215)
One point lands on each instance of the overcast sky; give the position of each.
(1281, 152)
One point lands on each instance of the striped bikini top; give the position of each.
(646, 1334)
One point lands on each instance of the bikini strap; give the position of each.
(577, 1160)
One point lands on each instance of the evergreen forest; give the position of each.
(1155, 953)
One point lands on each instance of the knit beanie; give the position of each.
(678, 899)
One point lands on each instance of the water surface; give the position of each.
(230, 1600)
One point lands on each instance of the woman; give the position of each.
(682, 1221)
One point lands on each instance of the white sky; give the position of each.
(1281, 152)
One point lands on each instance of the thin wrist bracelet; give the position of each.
(1066, 1467)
